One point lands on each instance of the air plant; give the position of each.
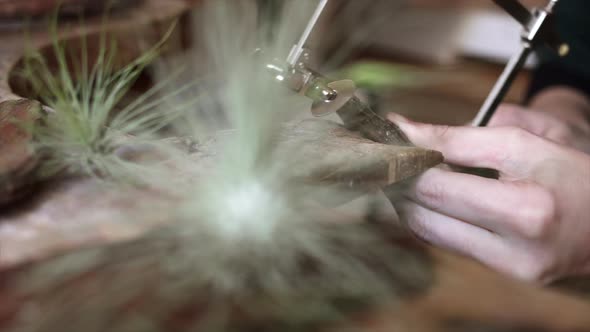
(85, 123)
(248, 228)
(249, 246)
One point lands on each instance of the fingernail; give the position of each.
(406, 126)
(394, 117)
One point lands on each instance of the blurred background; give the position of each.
(431, 60)
(445, 54)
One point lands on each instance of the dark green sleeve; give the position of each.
(573, 25)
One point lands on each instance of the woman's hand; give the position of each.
(532, 223)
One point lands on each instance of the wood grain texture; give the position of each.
(359, 117)
(120, 275)
(118, 240)
(339, 155)
(17, 157)
(110, 243)
(320, 152)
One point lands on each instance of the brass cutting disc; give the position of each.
(345, 90)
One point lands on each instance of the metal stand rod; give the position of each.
(519, 12)
(502, 86)
(297, 50)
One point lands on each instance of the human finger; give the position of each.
(451, 234)
(509, 150)
(516, 209)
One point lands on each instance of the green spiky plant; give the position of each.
(246, 230)
(248, 247)
(84, 126)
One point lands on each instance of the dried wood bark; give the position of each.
(320, 152)
(17, 157)
(359, 117)
(339, 155)
(121, 239)
(108, 259)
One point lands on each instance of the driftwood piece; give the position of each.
(330, 153)
(109, 237)
(71, 214)
(320, 152)
(17, 158)
(366, 163)
(464, 297)
(359, 117)
(118, 232)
